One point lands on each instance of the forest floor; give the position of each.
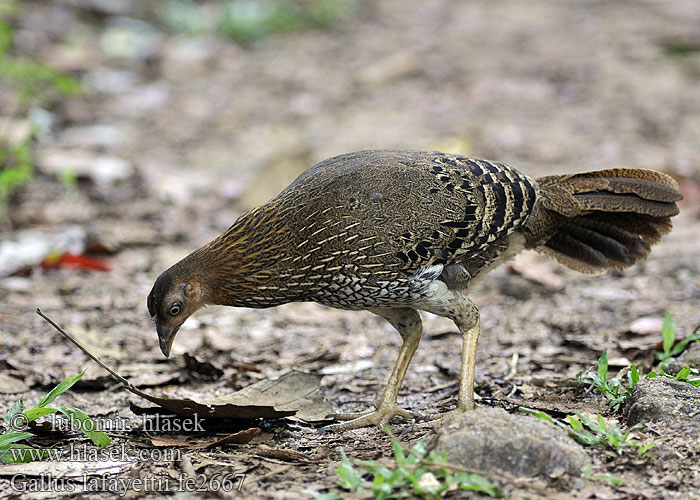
(176, 135)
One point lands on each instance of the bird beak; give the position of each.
(166, 336)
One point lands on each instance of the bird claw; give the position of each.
(378, 417)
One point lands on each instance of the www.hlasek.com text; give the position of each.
(77, 452)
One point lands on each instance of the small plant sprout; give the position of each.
(597, 432)
(671, 348)
(17, 419)
(414, 474)
(613, 389)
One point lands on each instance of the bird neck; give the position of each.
(239, 268)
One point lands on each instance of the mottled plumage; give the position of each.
(397, 231)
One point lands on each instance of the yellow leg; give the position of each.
(466, 316)
(407, 321)
(470, 338)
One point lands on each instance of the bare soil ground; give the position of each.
(203, 128)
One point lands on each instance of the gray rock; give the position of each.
(491, 439)
(671, 409)
(665, 400)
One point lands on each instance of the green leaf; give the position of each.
(21, 453)
(541, 415)
(668, 334)
(603, 367)
(86, 425)
(633, 377)
(475, 482)
(649, 446)
(683, 374)
(609, 478)
(575, 423)
(586, 421)
(6, 35)
(15, 410)
(35, 413)
(601, 424)
(420, 449)
(681, 345)
(398, 452)
(348, 477)
(12, 437)
(374, 467)
(60, 389)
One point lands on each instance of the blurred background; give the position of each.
(134, 131)
(234, 98)
(131, 132)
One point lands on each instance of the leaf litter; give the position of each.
(293, 394)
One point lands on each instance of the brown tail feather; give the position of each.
(595, 221)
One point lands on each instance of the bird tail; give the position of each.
(607, 219)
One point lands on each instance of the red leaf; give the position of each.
(80, 261)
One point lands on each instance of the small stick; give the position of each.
(67, 335)
(127, 385)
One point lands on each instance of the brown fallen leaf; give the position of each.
(160, 442)
(240, 437)
(293, 393)
(282, 454)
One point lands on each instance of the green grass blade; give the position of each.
(59, 389)
(15, 410)
(12, 437)
(86, 425)
(348, 477)
(22, 454)
(603, 367)
(683, 343)
(683, 374)
(668, 334)
(35, 413)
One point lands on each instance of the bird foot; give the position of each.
(380, 417)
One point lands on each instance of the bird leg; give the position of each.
(466, 316)
(470, 338)
(407, 321)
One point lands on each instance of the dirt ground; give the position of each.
(175, 135)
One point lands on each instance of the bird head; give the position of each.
(174, 297)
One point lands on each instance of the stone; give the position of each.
(666, 400)
(490, 439)
(670, 408)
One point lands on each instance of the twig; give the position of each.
(127, 385)
(67, 335)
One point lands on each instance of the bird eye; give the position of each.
(174, 309)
